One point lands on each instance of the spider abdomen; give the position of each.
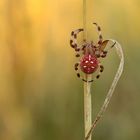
(89, 64)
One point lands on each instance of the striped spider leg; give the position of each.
(77, 66)
(102, 43)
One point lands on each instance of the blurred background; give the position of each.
(40, 96)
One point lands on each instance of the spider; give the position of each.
(89, 62)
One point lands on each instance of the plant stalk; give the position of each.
(87, 105)
(87, 85)
(85, 19)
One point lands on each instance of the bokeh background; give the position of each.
(40, 96)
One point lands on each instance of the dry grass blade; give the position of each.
(111, 90)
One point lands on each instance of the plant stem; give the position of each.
(87, 105)
(87, 85)
(84, 19)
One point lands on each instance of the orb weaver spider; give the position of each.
(89, 62)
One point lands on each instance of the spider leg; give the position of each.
(100, 34)
(78, 74)
(101, 69)
(98, 75)
(100, 72)
(73, 40)
(77, 52)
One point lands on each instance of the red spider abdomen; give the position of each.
(89, 64)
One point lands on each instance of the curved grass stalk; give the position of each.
(111, 90)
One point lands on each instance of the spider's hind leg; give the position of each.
(100, 72)
(78, 73)
(101, 69)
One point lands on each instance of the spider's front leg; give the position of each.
(80, 49)
(73, 40)
(100, 34)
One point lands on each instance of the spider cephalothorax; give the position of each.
(91, 52)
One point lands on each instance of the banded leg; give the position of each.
(78, 74)
(101, 69)
(100, 34)
(100, 72)
(97, 77)
(73, 40)
(77, 50)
